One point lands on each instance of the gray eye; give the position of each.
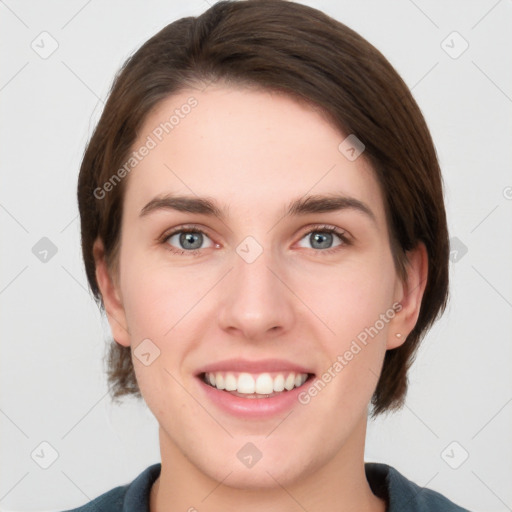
(191, 240)
(321, 239)
(324, 240)
(188, 240)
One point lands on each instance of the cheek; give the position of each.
(155, 298)
(162, 305)
(356, 306)
(353, 295)
(157, 303)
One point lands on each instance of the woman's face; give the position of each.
(256, 296)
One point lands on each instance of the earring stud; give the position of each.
(398, 335)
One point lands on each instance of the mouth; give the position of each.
(260, 385)
(253, 389)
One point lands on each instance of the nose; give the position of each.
(255, 301)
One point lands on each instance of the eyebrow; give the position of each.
(297, 207)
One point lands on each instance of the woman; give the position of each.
(263, 222)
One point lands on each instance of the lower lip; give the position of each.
(252, 407)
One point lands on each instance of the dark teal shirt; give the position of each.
(400, 494)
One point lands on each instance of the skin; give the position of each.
(253, 152)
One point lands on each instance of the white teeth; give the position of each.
(219, 381)
(261, 384)
(279, 383)
(264, 384)
(245, 383)
(289, 383)
(230, 382)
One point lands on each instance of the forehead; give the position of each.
(251, 150)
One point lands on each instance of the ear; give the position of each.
(111, 296)
(409, 294)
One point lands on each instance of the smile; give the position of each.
(232, 385)
(248, 385)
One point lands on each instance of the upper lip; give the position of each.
(260, 366)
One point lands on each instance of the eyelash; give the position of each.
(324, 228)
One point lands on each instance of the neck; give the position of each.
(340, 484)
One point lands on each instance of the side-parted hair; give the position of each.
(286, 47)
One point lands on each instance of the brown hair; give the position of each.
(288, 47)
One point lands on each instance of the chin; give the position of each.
(264, 477)
(251, 469)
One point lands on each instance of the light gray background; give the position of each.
(53, 386)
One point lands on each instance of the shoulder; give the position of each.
(125, 498)
(402, 494)
(109, 502)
